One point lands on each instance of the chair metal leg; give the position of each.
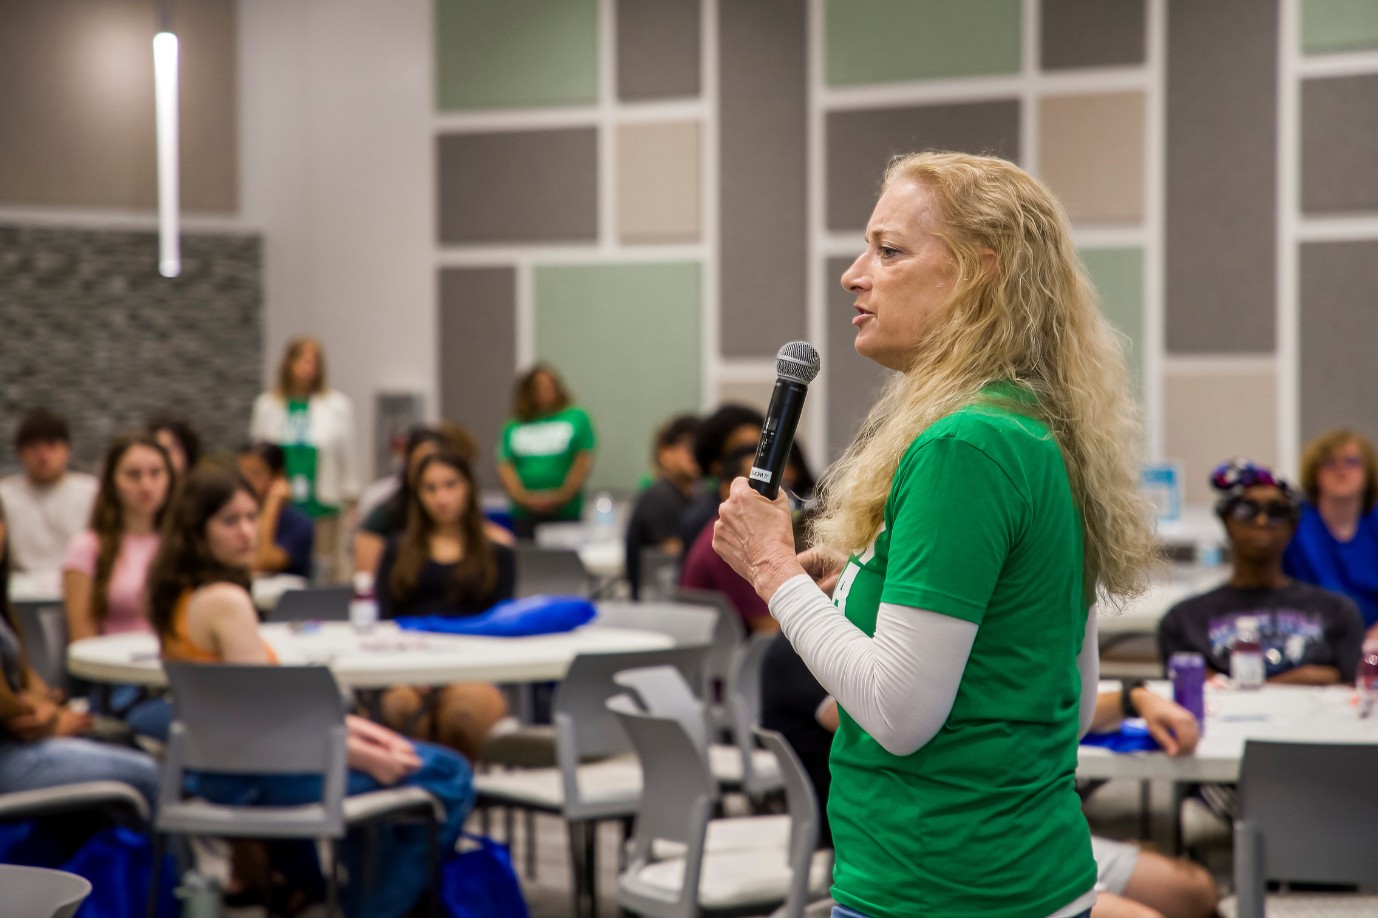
(433, 864)
(509, 826)
(154, 875)
(332, 896)
(584, 899)
(530, 844)
(591, 867)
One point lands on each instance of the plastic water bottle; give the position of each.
(1367, 683)
(363, 607)
(604, 515)
(1246, 654)
(200, 896)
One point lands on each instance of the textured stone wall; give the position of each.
(89, 329)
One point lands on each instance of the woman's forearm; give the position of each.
(899, 684)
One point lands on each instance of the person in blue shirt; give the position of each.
(1336, 542)
(286, 535)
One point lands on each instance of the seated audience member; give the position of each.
(40, 742)
(200, 606)
(654, 522)
(1310, 636)
(285, 534)
(705, 570)
(443, 564)
(1336, 543)
(1131, 883)
(725, 431)
(47, 503)
(181, 441)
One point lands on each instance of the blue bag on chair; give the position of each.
(512, 618)
(119, 862)
(479, 882)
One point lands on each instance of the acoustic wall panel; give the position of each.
(657, 49)
(1338, 25)
(1221, 176)
(1212, 416)
(852, 382)
(477, 342)
(658, 185)
(76, 105)
(626, 337)
(1339, 144)
(875, 41)
(1091, 33)
(1119, 278)
(861, 143)
(762, 190)
(1091, 153)
(518, 186)
(1339, 335)
(515, 53)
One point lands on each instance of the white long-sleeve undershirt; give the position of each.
(899, 685)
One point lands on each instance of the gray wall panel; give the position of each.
(1339, 328)
(1092, 33)
(518, 186)
(1339, 144)
(860, 143)
(657, 49)
(852, 381)
(763, 185)
(1221, 168)
(478, 353)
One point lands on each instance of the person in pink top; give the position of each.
(105, 572)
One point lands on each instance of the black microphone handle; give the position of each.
(777, 436)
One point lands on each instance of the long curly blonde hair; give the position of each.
(1031, 318)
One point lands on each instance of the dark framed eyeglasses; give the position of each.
(1278, 512)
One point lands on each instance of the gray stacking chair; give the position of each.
(268, 720)
(659, 574)
(35, 892)
(596, 778)
(728, 638)
(675, 869)
(1308, 812)
(116, 797)
(313, 604)
(557, 571)
(44, 626)
(693, 625)
(758, 774)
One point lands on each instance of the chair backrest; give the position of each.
(1307, 813)
(744, 706)
(44, 628)
(687, 625)
(245, 719)
(677, 790)
(319, 604)
(728, 636)
(802, 802)
(557, 571)
(658, 574)
(662, 691)
(36, 892)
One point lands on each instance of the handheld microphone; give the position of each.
(796, 365)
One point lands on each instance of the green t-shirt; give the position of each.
(542, 452)
(984, 819)
(299, 457)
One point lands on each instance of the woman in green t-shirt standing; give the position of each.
(314, 425)
(992, 488)
(545, 452)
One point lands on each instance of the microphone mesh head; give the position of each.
(797, 361)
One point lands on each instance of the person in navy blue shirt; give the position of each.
(286, 535)
(1336, 542)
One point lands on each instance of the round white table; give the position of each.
(385, 656)
(1294, 713)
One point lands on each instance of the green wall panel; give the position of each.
(626, 339)
(1119, 278)
(515, 53)
(878, 41)
(1338, 25)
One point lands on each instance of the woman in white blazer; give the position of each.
(314, 425)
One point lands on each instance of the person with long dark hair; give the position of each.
(200, 607)
(285, 534)
(444, 564)
(545, 453)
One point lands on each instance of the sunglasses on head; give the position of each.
(1246, 511)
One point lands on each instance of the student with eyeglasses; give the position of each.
(1310, 636)
(1336, 543)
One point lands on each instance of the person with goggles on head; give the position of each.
(1310, 636)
